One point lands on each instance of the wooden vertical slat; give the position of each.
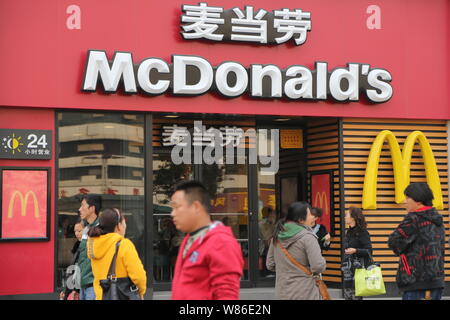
(323, 154)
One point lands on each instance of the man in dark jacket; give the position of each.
(89, 211)
(419, 242)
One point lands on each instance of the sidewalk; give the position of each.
(269, 294)
(250, 294)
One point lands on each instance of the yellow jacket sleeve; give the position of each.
(133, 266)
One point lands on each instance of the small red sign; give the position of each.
(321, 198)
(24, 204)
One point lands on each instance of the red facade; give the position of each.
(43, 61)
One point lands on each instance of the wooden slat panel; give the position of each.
(408, 122)
(392, 126)
(400, 140)
(332, 279)
(323, 154)
(333, 153)
(399, 134)
(322, 129)
(358, 136)
(359, 146)
(387, 154)
(324, 141)
(322, 148)
(321, 122)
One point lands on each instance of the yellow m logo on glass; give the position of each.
(401, 162)
(321, 201)
(23, 203)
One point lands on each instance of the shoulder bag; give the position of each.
(318, 278)
(118, 288)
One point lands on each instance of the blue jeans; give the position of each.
(87, 293)
(436, 294)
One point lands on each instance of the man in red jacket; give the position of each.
(209, 263)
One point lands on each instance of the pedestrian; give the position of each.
(419, 241)
(357, 248)
(320, 230)
(102, 246)
(266, 228)
(72, 283)
(209, 264)
(89, 210)
(294, 234)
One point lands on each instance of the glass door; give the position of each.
(166, 238)
(206, 151)
(229, 187)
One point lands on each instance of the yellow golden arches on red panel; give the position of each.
(23, 203)
(401, 162)
(321, 201)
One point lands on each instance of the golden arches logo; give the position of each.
(401, 162)
(23, 203)
(321, 201)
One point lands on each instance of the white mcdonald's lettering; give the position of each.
(401, 162)
(321, 201)
(23, 203)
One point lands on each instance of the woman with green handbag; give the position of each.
(358, 250)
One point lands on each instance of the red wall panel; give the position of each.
(28, 267)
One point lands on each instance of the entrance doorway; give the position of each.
(277, 191)
(246, 196)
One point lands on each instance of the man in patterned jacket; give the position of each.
(419, 242)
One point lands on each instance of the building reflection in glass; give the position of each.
(100, 153)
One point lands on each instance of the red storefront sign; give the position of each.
(414, 53)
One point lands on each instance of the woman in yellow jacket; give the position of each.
(102, 246)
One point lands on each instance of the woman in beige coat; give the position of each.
(295, 234)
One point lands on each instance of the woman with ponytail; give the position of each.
(293, 234)
(102, 246)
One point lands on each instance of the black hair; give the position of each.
(108, 220)
(297, 212)
(195, 191)
(93, 200)
(316, 212)
(79, 221)
(420, 192)
(357, 215)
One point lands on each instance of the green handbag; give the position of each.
(369, 282)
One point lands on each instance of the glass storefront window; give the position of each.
(228, 183)
(267, 204)
(167, 238)
(100, 153)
